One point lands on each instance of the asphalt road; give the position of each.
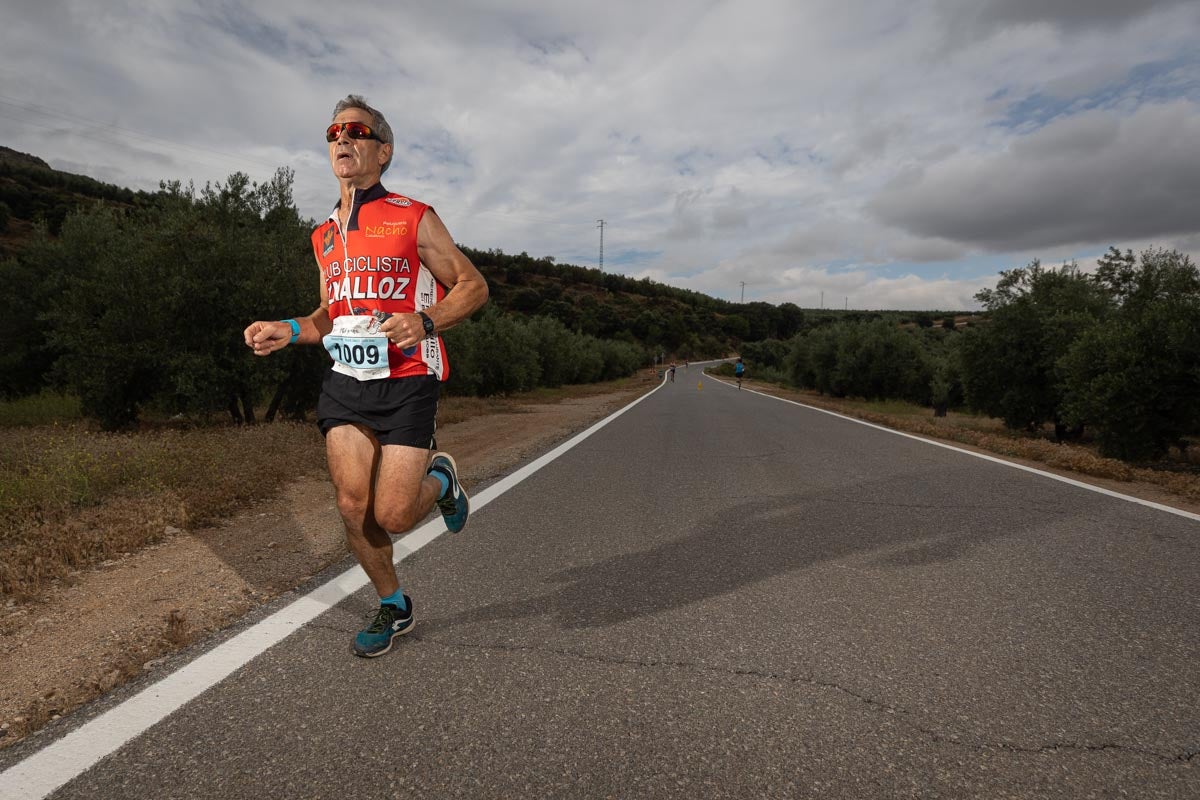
(724, 595)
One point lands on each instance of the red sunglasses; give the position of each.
(355, 130)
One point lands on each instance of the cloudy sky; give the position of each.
(860, 153)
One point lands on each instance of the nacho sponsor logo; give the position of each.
(327, 243)
(386, 229)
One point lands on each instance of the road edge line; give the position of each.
(994, 459)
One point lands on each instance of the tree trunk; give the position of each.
(234, 411)
(277, 400)
(248, 409)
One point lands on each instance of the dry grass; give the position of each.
(179, 630)
(459, 409)
(72, 497)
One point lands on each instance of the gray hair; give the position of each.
(378, 123)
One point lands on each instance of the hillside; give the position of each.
(679, 323)
(10, 156)
(31, 191)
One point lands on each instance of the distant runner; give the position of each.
(739, 369)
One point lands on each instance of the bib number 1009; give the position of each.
(356, 355)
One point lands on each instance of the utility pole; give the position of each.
(600, 224)
(743, 283)
(822, 300)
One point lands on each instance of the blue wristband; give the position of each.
(295, 329)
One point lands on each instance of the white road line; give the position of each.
(46, 770)
(994, 459)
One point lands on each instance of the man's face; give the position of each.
(357, 158)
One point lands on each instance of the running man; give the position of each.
(391, 280)
(739, 369)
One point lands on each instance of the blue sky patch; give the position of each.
(1148, 82)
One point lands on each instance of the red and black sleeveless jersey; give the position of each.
(373, 265)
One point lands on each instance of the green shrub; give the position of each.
(146, 306)
(498, 353)
(1010, 367)
(1136, 380)
(557, 351)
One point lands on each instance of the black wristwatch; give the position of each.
(427, 323)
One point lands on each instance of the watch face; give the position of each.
(428, 323)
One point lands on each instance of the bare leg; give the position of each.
(379, 489)
(404, 492)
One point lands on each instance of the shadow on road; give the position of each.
(754, 541)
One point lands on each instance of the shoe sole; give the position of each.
(461, 490)
(385, 650)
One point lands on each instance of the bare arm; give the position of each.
(467, 289)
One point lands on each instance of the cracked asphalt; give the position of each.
(723, 595)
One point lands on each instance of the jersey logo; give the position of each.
(386, 229)
(327, 243)
(403, 202)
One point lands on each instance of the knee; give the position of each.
(353, 506)
(396, 517)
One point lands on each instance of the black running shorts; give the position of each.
(398, 410)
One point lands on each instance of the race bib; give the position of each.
(357, 348)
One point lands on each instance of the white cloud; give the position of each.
(1093, 176)
(717, 139)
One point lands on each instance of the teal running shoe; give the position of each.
(388, 623)
(455, 506)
